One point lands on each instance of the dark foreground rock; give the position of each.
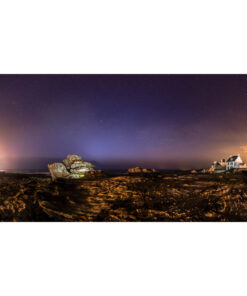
(151, 197)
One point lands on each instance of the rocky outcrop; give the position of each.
(58, 170)
(73, 168)
(76, 166)
(135, 170)
(140, 170)
(71, 158)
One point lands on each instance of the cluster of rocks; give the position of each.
(73, 168)
(76, 166)
(141, 170)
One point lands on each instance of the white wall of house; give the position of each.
(234, 164)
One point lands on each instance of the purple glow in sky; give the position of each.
(164, 121)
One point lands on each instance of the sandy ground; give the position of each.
(167, 197)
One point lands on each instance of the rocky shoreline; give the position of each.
(134, 197)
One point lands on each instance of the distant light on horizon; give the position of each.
(153, 120)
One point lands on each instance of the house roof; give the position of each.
(232, 158)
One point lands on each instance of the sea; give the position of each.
(40, 166)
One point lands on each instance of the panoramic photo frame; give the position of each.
(123, 148)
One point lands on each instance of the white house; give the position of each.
(235, 162)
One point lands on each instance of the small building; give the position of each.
(218, 166)
(235, 162)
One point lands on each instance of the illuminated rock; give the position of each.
(76, 175)
(58, 170)
(73, 168)
(135, 170)
(76, 166)
(74, 161)
(80, 170)
(82, 164)
(72, 158)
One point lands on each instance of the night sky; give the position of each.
(118, 121)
